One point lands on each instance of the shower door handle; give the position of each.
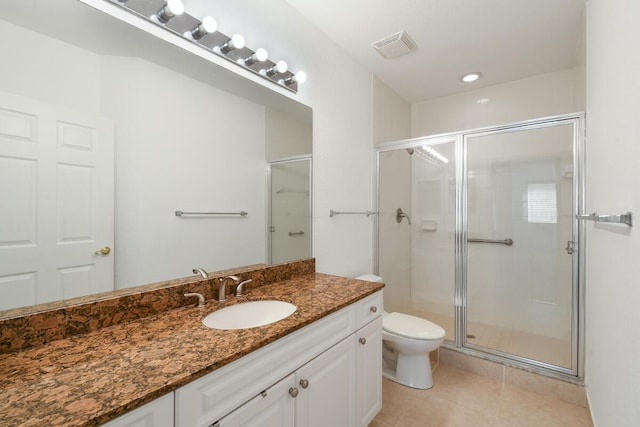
(570, 247)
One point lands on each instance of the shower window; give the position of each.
(541, 203)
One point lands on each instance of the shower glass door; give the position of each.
(520, 228)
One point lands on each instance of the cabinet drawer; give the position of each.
(369, 308)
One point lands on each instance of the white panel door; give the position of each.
(56, 187)
(327, 389)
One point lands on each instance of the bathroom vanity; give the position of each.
(333, 363)
(169, 369)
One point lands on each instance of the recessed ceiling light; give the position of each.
(470, 77)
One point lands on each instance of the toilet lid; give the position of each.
(411, 327)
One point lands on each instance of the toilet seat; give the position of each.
(411, 327)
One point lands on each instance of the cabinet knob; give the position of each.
(293, 391)
(374, 309)
(363, 340)
(304, 383)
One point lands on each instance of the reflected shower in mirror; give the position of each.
(105, 132)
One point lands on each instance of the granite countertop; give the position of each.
(92, 378)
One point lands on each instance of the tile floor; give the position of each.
(522, 343)
(460, 398)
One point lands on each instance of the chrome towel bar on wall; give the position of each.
(625, 218)
(183, 213)
(508, 241)
(333, 213)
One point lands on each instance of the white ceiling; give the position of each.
(506, 40)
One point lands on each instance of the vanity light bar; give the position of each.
(171, 15)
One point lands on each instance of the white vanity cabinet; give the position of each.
(157, 413)
(369, 372)
(274, 407)
(320, 375)
(369, 359)
(321, 393)
(327, 388)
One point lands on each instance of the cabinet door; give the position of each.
(158, 413)
(369, 372)
(327, 389)
(272, 408)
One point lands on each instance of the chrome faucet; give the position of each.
(202, 272)
(222, 289)
(240, 287)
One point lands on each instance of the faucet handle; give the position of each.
(199, 296)
(240, 287)
(222, 289)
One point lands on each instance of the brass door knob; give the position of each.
(293, 391)
(304, 383)
(363, 340)
(104, 251)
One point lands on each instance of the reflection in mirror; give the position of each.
(290, 209)
(105, 132)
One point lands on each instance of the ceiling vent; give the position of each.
(394, 46)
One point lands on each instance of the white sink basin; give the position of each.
(249, 314)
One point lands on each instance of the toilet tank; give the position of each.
(370, 278)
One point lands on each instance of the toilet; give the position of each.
(406, 343)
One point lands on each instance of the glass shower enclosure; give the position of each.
(477, 232)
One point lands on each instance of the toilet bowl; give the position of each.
(406, 343)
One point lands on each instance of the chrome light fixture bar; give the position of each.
(171, 15)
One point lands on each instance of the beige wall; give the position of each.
(391, 115)
(535, 97)
(286, 136)
(613, 149)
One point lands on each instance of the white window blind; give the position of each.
(542, 205)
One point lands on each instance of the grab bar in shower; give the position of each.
(625, 218)
(508, 241)
(333, 213)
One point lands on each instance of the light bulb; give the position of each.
(208, 25)
(260, 55)
(279, 68)
(300, 77)
(282, 67)
(236, 42)
(169, 10)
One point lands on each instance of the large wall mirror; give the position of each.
(107, 131)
